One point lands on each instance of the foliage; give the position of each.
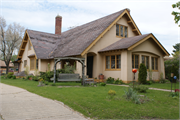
(148, 82)
(53, 84)
(46, 82)
(140, 88)
(47, 75)
(29, 76)
(10, 75)
(172, 66)
(176, 47)
(142, 74)
(110, 80)
(102, 84)
(10, 39)
(131, 94)
(111, 93)
(176, 14)
(13, 77)
(69, 68)
(13, 58)
(174, 94)
(27, 70)
(35, 78)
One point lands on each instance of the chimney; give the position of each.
(58, 25)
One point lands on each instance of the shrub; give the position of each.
(141, 89)
(102, 84)
(174, 94)
(10, 75)
(131, 94)
(13, 77)
(148, 82)
(111, 93)
(142, 74)
(110, 80)
(46, 82)
(35, 78)
(53, 84)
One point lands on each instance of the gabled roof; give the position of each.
(76, 41)
(132, 42)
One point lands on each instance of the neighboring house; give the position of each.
(3, 67)
(112, 46)
(167, 58)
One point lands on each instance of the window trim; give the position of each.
(145, 60)
(154, 64)
(123, 31)
(135, 60)
(115, 69)
(25, 61)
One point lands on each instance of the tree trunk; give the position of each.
(7, 69)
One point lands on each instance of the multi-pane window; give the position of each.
(113, 62)
(154, 63)
(135, 61)
(25, 63)
(145, 61)
(32, 63)
(121, 31)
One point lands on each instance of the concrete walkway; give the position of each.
(149, 88)
(19, 104)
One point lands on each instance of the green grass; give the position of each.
(93, 101)
(164, 85)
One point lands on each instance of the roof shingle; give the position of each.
(124, 43)
(71, 42)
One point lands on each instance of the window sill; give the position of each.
(120, 37)
(112, 69)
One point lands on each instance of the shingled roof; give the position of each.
(71, 42)
(124, 43)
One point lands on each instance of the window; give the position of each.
(25, 63)
(113, 62)
(145, 61)
(154, 62)
(30, 46)
(121, 31)
(32, 63)
(135, 61)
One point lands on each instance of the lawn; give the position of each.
(164, 85)
(93, 101)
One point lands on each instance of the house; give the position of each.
(3, 67)
(112, 45)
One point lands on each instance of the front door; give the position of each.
(90, 66)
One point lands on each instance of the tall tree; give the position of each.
(176, 14)
(10, 39)
(176, 47)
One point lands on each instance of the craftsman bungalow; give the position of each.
(112, 46)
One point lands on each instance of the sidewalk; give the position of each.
(149, 88)
(19, 104)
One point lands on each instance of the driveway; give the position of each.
(19, 104)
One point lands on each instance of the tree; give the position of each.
(176, 14)
(10, 39)
(142, 76)
(13, 58)
(176, 47)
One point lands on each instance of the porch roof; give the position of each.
(124, 43)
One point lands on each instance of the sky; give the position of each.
(151, 16)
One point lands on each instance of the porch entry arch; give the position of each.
(81, 60)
